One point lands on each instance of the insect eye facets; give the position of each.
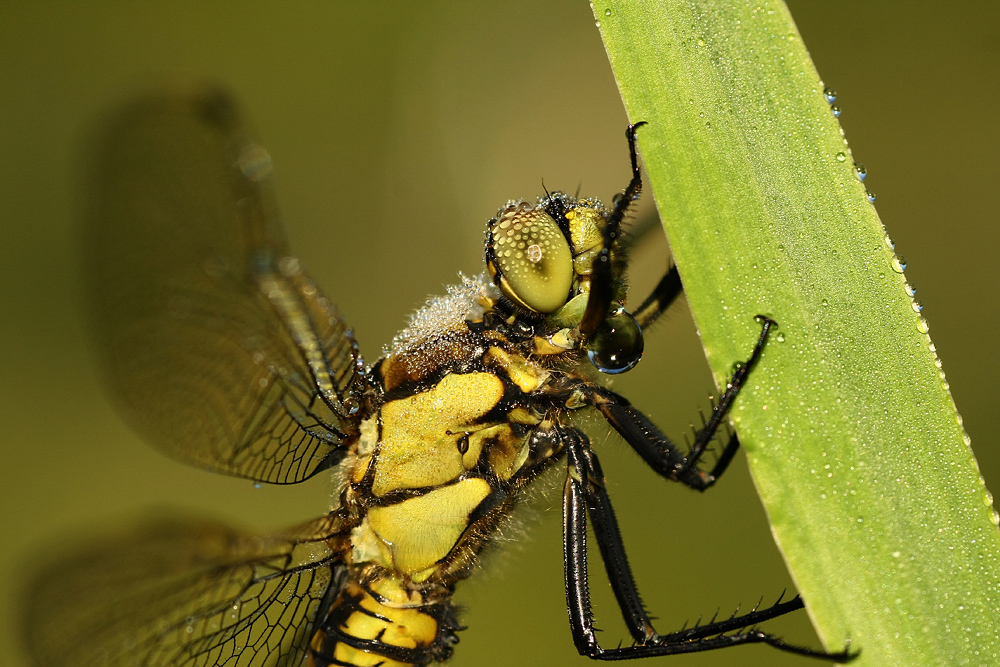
(617, 344)
(532, 258)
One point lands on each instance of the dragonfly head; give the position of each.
(549, 261)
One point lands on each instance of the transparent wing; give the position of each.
(180, 594)
(216, 346)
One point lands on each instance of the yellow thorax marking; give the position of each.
(525, 375)
(421, 531)
(421, 434)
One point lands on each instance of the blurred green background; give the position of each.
(396, 131)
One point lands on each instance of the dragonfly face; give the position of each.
(544, 259)
(222, 352)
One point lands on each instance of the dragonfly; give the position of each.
(222, 352)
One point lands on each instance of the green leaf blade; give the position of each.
(853, 439)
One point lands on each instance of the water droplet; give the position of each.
(922, 326)
(780, 337)
(917, 306)
(871, 196)
(835, 110)
(255, 162)
(841, 156)
(607, 12)
(830, 94)
(910, 289)
(290, 267)
(898, 263)
(889, 242)
(597, 23)
(860, 171)
(616, 346)
(825, 302)
(352, 405)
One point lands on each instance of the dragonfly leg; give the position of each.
(584, 493)
(660, 299)
(656, 449)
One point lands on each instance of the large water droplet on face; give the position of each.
(617, 344)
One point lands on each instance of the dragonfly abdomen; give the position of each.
(381, 619)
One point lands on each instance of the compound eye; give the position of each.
(616, 346)
(532, 258)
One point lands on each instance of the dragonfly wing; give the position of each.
(216, 346)
(180, 594)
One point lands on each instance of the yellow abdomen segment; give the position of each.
(384, 612)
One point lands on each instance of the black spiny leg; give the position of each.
(584, 493)
(662, 297)
(601, 283)
(656, 449)
(585, 483)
